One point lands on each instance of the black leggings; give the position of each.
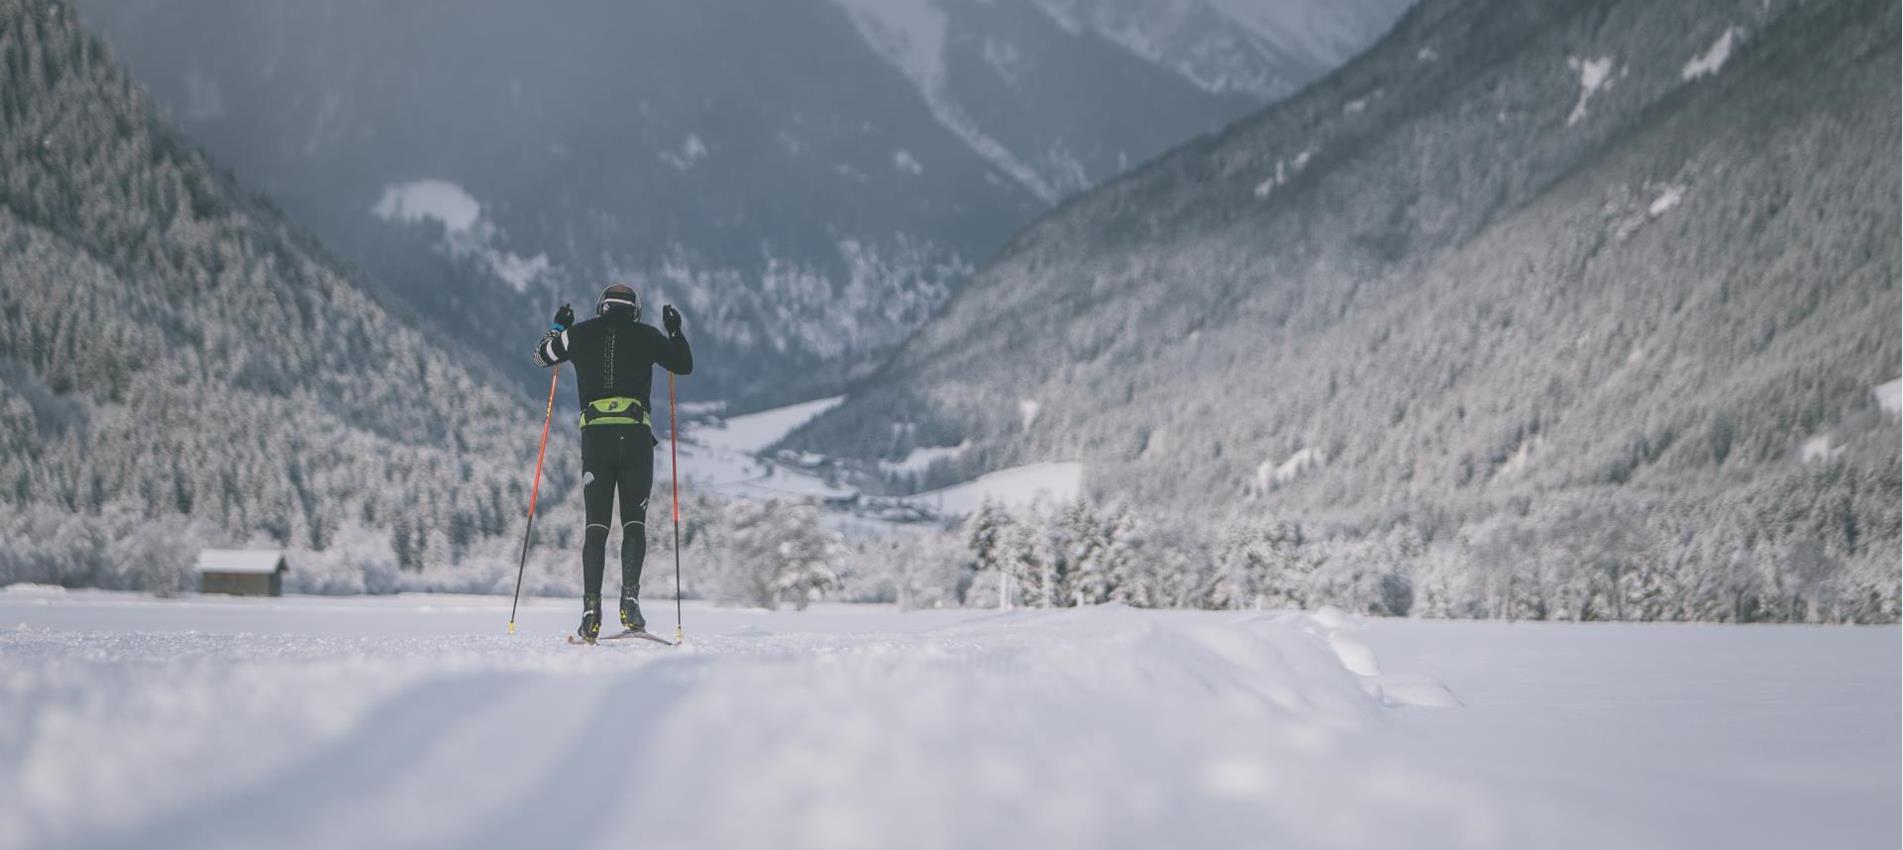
(615, 458)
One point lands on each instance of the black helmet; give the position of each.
(618, 297)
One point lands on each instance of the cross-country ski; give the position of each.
(628, 635)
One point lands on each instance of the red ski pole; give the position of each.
(674, 472)
(535, 492)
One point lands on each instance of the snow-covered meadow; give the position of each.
(731, 459)
(417, 721)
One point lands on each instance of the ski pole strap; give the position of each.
(617, 410)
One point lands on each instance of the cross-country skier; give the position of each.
(613, 354)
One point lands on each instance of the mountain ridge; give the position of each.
(769, 167)
(1064, 317)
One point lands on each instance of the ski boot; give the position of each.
(631, 618)
(590, 618)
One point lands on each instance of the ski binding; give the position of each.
(629, 634)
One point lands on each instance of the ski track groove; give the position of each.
(354, 725)
(400, 730)
(574, 791)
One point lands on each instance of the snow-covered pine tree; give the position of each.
(1126, 579)
(923, 570)
(1026, 561)
(987, 535)
(1066, 532)
(806, 559)
(1179, 567)
(1873, 584)
(1263, 566)
(763, 553)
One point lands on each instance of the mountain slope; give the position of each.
(1516, 250)
(810, 179)
(1267, 48)
(179, 363)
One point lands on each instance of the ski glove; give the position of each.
(671, 319)
(564, 318)
(545, 353)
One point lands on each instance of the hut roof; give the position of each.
(247, 561)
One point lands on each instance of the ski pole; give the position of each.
(535, 491)
(674, 472)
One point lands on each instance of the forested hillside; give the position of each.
(809, 179)
(179, 365)
(1570, 289)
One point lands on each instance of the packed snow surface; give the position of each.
(1286, 171)
(725, 458)
(1666, 200)
(1890, 396)
(692, 150)
(1593, 74)
(904, 161)
(1027, 412)
(1015, 487)
(1270, 473)
(255, 561)
(730, 458)
(418, 722)
(756, 431)
(921, 458)
(418, 200)
(1713, 59)
(466, 232)
(1819, 449)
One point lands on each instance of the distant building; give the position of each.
(242, 572)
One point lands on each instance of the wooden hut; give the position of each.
(242, 572)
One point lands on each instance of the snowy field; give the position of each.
(729, 459)
(723, 459)
(417, 722)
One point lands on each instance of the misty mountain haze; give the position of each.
(809, 179)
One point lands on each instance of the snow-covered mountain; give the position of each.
(1267, 48)
(1516, 259)
(181, 365)
(811, 179)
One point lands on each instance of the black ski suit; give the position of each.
(613, 355)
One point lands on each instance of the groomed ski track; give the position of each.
(417, 722)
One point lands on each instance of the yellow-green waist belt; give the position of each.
(614, 411)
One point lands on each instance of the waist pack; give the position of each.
(618, 410)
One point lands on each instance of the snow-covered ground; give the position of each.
(754, 432)
(725, 458)
(416, 721)
(1016, 487)
(730, 458)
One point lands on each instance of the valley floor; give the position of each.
(416, 721)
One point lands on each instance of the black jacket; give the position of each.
(613, 355)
